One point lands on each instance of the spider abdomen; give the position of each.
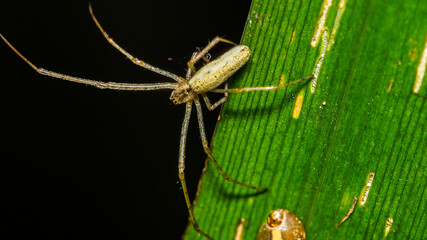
(216, 72)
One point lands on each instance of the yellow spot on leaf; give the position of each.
(293, 35)
(390, 85)
(298, 105)
(282, 79)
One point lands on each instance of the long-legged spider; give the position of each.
(185, 90)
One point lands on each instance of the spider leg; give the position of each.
(98, 84)
(208, 150)
(205, 50)
(181, 167)
(219, 102)
(189, 71)
(250, 89)
(132, 58)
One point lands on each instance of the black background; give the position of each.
(83, 163)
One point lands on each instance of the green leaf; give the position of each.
(363, 117)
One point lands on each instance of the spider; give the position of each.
(185, 91)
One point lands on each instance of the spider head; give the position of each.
(182, 94)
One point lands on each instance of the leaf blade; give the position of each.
(314, 165)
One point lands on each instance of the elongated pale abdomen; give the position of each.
(216, 72)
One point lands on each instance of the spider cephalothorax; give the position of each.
(182, 94)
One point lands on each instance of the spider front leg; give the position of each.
(205, 50)
(189, 70)
(132, 58)
(98, 84)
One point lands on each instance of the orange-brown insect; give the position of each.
(350, 211)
